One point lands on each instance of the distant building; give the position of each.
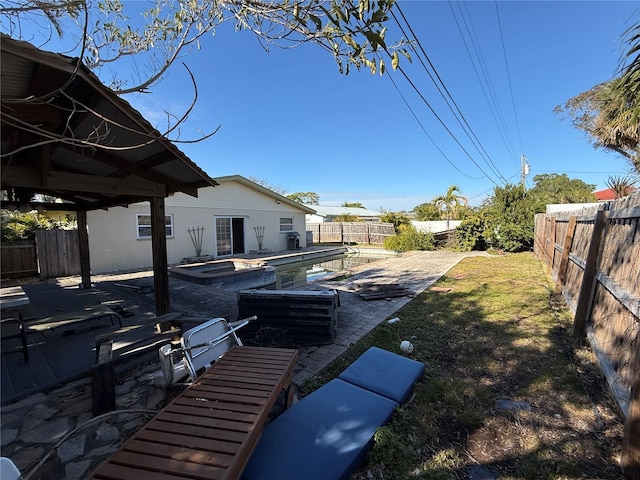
(436, 226)
(608, 194)
(326, 213)
(605, 195)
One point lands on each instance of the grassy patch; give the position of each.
(497, 335)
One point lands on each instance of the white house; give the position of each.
(327, 213)
(238, 216)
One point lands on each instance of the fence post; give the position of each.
(566, 249)
(587, 290)
(630, 458)
(552, 244)
(103, 385)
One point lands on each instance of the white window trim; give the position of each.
(280, 225)
(148, 237)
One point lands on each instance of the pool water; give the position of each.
(299, 273)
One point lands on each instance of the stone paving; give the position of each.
(53, 435)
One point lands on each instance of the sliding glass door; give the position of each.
(229, 235)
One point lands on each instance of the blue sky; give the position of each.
(290, 118)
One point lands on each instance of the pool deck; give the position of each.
(34, 418)
(56, 358)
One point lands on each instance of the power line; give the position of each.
(448, 98)
(425, 130)
(488, 91)
(506, 64)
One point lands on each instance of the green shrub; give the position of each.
(16, 226)
(409, 239)
(470, 235)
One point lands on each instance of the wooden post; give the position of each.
(103, 383)
(552, 244)
(566, 250)
(83, 243)
(159, 246)
(630, 458)
(587, 289)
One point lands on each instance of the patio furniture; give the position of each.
(211, 428)
(11, 300)
(8, 469)
(201, 346)
(73, 320)
(326, 435)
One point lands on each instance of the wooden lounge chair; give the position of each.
(210, 430)
(326, 435)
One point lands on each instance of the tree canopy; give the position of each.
(621, 186)
(427, 211)
(556, 188)
(506, 219)
(131, 45)
(400, 220)
(108, 33)
(353, 205)
(609, 113)
(450, 201)
(307, 198)
(266, 184)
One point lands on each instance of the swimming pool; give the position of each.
(299, 273)
(238, 274)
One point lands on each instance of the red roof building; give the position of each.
(604, 195)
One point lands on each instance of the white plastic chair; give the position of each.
(8, 470)
(200, 347)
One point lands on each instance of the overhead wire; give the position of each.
(425, 130)
(437, 117)
(484, 80)
(506, 64)
(442, 89)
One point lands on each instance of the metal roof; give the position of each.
(67, 135)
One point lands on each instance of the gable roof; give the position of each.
(276, 196)
(50, 103)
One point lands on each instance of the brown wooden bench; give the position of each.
(210, 430)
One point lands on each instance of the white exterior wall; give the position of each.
(435, 226)
(113, 242)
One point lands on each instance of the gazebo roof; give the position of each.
(66, 135)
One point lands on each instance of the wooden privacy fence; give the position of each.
(58, 253)
(367, 233)
(19, 260)
(594, 256)
(55, 253)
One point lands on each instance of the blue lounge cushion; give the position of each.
(385, 373)
(324, 436)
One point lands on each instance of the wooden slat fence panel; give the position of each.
(611, 301)
(19, 260)
(58, 253)
(364, 233)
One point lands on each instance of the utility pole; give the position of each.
(524, 170)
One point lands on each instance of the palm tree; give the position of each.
(621, 186)
(450, 201)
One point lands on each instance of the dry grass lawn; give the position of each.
(498, 335)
